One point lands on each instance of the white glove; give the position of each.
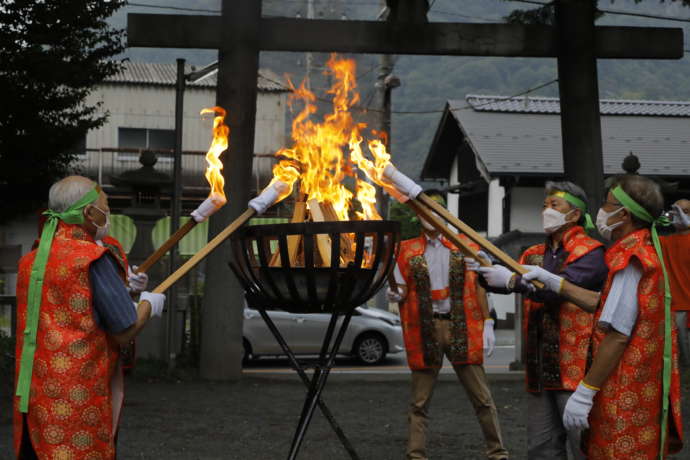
(473, 264)
(137, 281)
(393, 297)
(578, 407)
(157, 302)
(489, 338)
(496, 276)
(551, 282)
(681, 221)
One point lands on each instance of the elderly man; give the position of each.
(630, 397)
(677, 257)
(444, 313)
(557, 333)
(74, 312)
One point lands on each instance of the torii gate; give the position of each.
(240, 33)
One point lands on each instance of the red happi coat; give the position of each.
(625, 422)
(416, 313)
(557, 339)
(116, 249)
(70, 411)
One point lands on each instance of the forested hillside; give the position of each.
(429, 81)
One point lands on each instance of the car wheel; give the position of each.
(247, 351)
(370, 349)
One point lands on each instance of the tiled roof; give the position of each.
(149, 73)
(511, 136)
(527, 104)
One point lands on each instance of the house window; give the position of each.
(143, 138)
(79, 148)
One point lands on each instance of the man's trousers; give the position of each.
(546, 436)
(473, 378)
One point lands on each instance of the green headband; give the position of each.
(578, 203)
(73, 215)
(641, 213)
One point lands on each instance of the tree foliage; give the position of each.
(52, 53)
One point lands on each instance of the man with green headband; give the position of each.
(630, 397)
(556, 332)
(73, 313)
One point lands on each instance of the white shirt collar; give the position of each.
(436, 242)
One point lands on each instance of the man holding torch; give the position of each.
(557, 333)
(73, 313)
(677, 257)
(444, 312)
(630, 397)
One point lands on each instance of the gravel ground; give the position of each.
(255, 419)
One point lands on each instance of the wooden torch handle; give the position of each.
(423, 212)
(165, 247)
(205, 251)
(423, 203)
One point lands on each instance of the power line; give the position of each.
(617, 12)
(643, 15)
(470, 106)
(450, 13)
(426, 112)
(176, 8)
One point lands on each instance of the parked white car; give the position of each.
(372, 334)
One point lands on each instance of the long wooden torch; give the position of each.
(406, 190)
(275, 192)
(216, 198)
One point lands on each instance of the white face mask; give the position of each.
(602, 217)
(102, 230)
(552, 219)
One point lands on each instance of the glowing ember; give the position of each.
(218, 146)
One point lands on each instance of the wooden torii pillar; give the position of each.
(240, 33)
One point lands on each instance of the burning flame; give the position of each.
(366, 195)
(218, 146)
(317, 157)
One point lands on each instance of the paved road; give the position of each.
(498, 363)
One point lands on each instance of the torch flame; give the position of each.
(366, 195)
(218, 146)
(318, 155)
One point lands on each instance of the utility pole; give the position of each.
(309, 55)
(176, 208)
(385, 82)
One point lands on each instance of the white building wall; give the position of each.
(495, 211)
(153, 107)
(453, 199)
(526, 204)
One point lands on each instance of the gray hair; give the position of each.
(564, 186)
(645, 192)
(65, 192)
